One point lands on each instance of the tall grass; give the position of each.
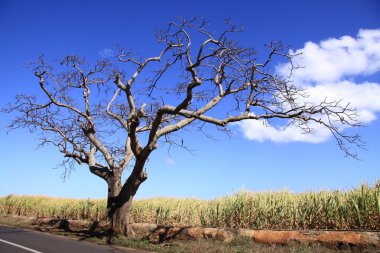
(42, 206)
(355, 209)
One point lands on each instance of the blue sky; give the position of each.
(253, 158)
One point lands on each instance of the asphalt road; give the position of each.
(16, 240)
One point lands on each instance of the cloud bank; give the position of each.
(329, 69)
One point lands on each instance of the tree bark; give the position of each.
(120, 219)
(120, 199)
(117, 215)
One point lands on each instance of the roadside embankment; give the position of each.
(159, 234)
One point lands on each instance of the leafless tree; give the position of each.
(111, 115)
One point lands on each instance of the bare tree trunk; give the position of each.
(120, 219)
(117, 212)
(120, 199)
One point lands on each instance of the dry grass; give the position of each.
(344, 210)
(238, 245)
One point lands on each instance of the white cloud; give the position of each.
(334, 59)
(329, 68)
(169, 161)
(106, 53)
(260, 131)
(364, 97)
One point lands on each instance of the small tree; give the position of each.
(103, 116)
